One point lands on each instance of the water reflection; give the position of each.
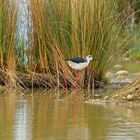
(46, 118)
(7, 109)
(22, 123)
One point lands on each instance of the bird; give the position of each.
(78, 64)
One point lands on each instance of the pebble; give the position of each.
(97, 95)
(122, 72)
(130, 97)
(117, 66)
(124, 98)
(109, 74)
(106, 98)
(116, 95)
(121, 77)
(126, 59)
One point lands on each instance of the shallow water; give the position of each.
(46, 118)
(131, 67)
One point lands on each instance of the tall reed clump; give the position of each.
(8, 21)
(68, 28)
(50, 37)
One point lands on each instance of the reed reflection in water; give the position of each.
(41, 117)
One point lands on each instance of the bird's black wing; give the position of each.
(77, 60)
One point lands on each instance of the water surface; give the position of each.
(46, 118)
(131, 67)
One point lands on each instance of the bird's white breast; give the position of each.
(77, 66)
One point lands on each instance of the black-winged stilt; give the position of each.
(78, 64)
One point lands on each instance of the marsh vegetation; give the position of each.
(62, 29)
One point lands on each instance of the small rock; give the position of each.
(108, 74)
(121, 77)
(97, 100)
(126, 59)
(86, 102)
(117, 66)
(97, 95)
(106, 98)
(130, 97)
(116, 95)
(122, 72)
(124, 98)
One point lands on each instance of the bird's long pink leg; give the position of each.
(75, 83)
(65, 80)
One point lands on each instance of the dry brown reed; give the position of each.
(60, 29)
(68, 28)
(8, 22)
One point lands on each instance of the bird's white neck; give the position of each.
(87, 59)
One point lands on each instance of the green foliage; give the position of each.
(133, 49)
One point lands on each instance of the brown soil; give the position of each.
(29, 80)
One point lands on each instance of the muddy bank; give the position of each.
(129, 94)
(42, 80)
(123, 86)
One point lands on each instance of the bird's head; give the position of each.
(89, 57)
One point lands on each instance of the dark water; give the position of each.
(46, 118)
